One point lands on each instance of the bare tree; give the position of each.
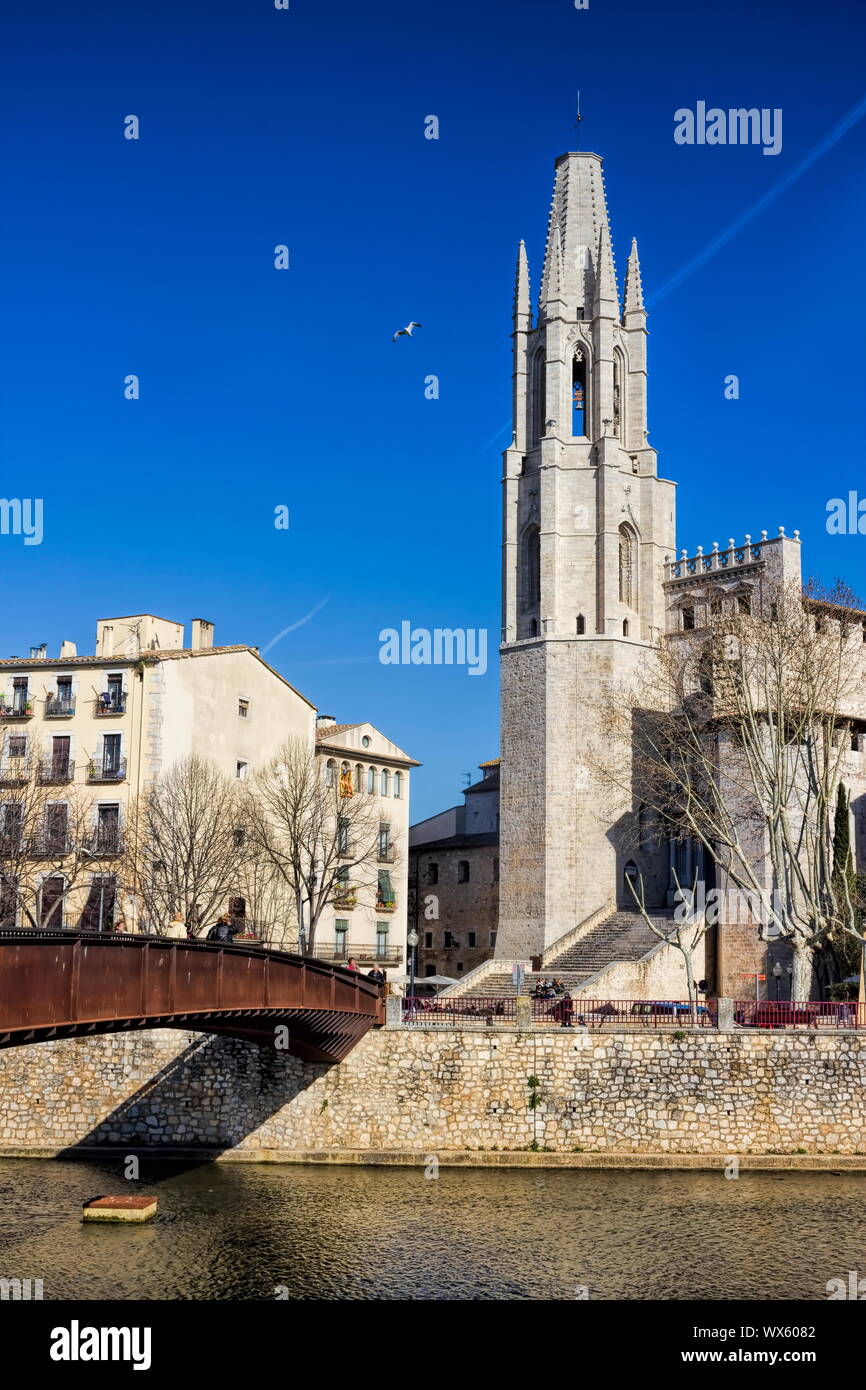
(187, 844)
(48, 842)
(739, 732)
(318, 830)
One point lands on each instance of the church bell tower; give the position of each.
(587, 527)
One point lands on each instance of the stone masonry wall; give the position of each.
(438, 1090)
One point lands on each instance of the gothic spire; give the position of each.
(522, 305)
(551, 285)
(606, 293)
(633, 303)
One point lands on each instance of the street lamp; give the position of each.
(412, 939)
(777, 975)
(790, 982)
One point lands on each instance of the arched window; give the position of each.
(463, 871)
(386, 782)
(627, 567)
(617, 393)
(531, 568)
(625, 627)
(359, 777)
(371, 780)
(398, 785)
(579, 405)
(580, 625)
(330, 772)
(539, 398)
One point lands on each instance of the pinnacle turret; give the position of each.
(606, 292)
(633, 302)
(522, 304)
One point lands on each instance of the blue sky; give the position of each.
(259, 388)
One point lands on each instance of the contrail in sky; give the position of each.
(291, 628)
(836, 134)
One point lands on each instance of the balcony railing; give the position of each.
(107, 841)
(101, 770)
(344, 896)
(51, 845)
(59, 707)
(386, 905)
(56, 769)
(18, 709)
(386, 854)
(13, 771)
(114, 704)
(363, 954)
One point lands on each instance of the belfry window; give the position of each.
(579, 414)
(531, 567)
(539, 398)
(617, 396)
(580, 625)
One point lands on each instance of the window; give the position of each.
(428, 938)
(617, 394)
(385, 890)
(463, 871)
(20, 697)
(57, 828)
(432, 873)
(580, 625)
(359, 778)
(330, 772)
(688, 619)
(430, 970)
(343, 835)
(627, 567)
(341, 883)
(365, 741)
(98, 911)
(493, 938)
(744, 603)
(398, 785)
(855, 741)
(384, 839)
(381, 940)
(531, 568)
(51, 894)
(112, 700)
(448, 940)
(111, 755)
(8, 901)
(386, 782)
(459, 966)
(625, 627)
(471, 938)
(579, 412)
(341, 938)
(243, 709)
(371, 780)
(108, 828)
(496, 871)
(539, 399)
(241, 770)
(17, 746)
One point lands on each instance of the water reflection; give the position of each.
(232, 1231)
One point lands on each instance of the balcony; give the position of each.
(386, 854)
(345, 896)
(18, 709)
(363, 954)
(51, 845)
(59, 707)
(104, 843)
(101, 770)
(56, 770)
(110, 704)
(386, 904)
(13, 772)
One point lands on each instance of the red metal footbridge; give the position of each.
(71, 985)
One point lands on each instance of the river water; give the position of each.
(244, 1231)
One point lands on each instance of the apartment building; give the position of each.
(368, 922)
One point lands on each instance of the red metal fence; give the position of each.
(588, 1013)
(786, 1013)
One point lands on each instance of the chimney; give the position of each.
(323, 720)
(202, 635)
(67, 649)
(38, 653)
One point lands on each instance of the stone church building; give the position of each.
(590, 579)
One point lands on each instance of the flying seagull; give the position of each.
(406, 332)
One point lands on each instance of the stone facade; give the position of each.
(438, 1090)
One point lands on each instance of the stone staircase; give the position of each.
(623, 936)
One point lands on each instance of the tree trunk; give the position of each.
(801, 980)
